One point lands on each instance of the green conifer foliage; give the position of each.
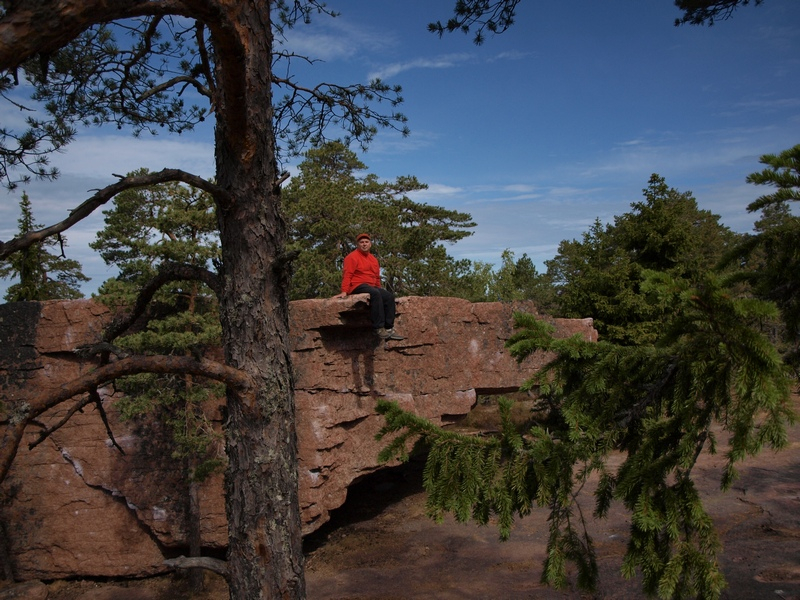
(771, 256)
(601, 275)
(42, 274)
(331, 201)
(146, 229)
(658, 406)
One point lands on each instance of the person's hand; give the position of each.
(342, 295)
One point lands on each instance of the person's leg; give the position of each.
(388, 312)
(376, 305)
(387, 299)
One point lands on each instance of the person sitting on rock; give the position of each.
(362, 275)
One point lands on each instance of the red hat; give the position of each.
(361, 236)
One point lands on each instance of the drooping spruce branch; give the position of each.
(656, 404)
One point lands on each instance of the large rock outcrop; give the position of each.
(75, 505)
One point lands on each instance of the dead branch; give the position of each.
(46, 431)
(133, 365)
(199, 562)
(94, 396)
(27, 409)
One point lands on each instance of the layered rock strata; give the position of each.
(78, 506)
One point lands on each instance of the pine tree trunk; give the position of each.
(265, 545)
(265, 551)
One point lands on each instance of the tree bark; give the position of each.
(265, 549)
(265, 545)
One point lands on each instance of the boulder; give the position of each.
(82, 503)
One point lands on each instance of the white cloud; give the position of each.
(334, 38)
(509, 55)
(438, 189)
(102, 156)
(393, 143)
(445, 61)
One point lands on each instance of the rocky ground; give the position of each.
(381, 546)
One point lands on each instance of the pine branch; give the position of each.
(103, 196)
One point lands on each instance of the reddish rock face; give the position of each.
(76, 506)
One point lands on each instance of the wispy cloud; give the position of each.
(509, 55)
(331, 39)
(444, 61)
(438, 189)
(761, 105)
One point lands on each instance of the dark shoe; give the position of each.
(393, 335)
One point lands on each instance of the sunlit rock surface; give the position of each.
(75, 505)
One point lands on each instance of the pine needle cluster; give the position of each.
(657, 406)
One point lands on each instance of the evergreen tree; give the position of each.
(328, 204)
(657, 405)
(146, 229)
(771, 256)
(42, 274)
(601, 275)
(519, 280)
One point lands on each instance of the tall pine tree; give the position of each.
(148, 231)
(332, 200)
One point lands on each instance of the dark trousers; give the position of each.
(381, 305)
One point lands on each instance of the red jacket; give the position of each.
(360, 267)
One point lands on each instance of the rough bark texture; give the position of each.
(261, 484)
(261, 479)
(79, 507)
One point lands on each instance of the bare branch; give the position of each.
(172, 83)
(60, 21)
(94, 396)
(216, 565)
(305, 113)
(106, 194)
(205, 61)
(46, 431)
(133, 365)
(27, 409)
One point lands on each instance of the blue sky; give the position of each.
(543, 129)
